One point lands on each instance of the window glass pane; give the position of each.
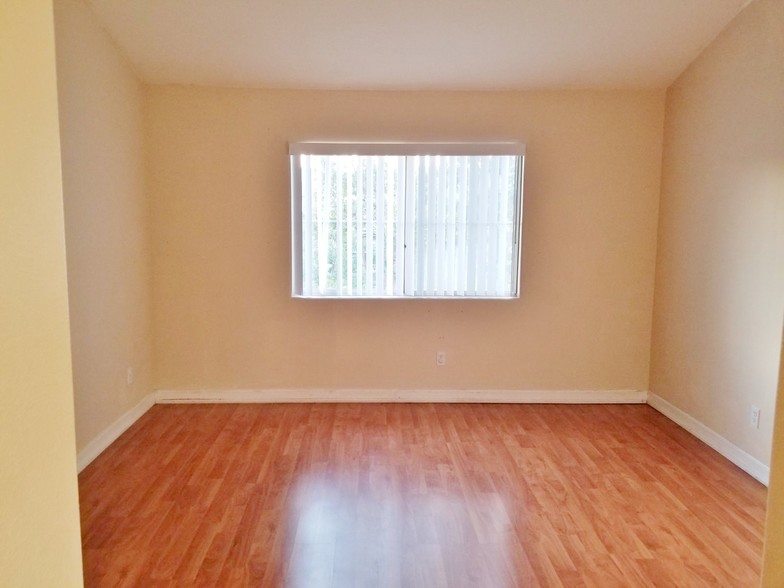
(350, 224)
(463, 232)
(406, 225)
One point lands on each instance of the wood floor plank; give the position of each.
(401, 496)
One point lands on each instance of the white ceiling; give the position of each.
(415, 44)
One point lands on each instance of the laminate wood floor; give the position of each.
(416, 495)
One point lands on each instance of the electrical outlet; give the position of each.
(755, 416)
(440, 358)
(129, 376)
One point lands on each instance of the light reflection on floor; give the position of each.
(344, 533)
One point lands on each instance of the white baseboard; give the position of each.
(749, 464)
(397, 395)
(95, 447)
(110, 434)
(735, 454)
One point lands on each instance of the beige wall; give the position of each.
(773, 566)
(39, 518)
(106, 221)
(219, 187)
(719, 282)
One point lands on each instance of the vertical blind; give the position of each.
(378, 224)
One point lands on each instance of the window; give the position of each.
(406, 220)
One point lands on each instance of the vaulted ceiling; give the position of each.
(414, 44)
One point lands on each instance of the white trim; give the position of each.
(748, 463)
(283, 395)
(328, 296)
(110, 434)
(732, 452)
(406, 148)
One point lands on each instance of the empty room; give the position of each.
(395, 294)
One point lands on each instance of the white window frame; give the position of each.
(506, 148)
